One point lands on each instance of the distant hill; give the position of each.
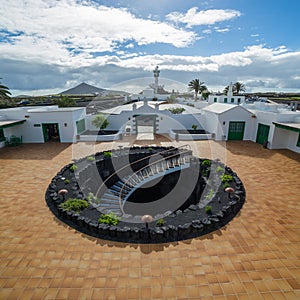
(83, 89)
(86, 89)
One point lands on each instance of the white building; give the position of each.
(271, 125)
(229, 98)
(42, 124)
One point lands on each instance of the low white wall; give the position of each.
(190, 137)
(100, 138)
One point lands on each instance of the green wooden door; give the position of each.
(236, 130)
(45, 133)
(262, 133)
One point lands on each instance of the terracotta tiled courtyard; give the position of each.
(256, 256)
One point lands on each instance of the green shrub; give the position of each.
(90, 158)
(150, 149)
(73, 168)
(160, 222)
(100, 121)
(74, 204)
(226, 178)
(219, 169)
(67, 181)
(107, 154)
(176, 110)
(226, 185)
(206, 163)
(194, 126)
(208, 209)
(110, 219)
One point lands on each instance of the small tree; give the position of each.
(65, 101)
(5, 99)
(100, 121)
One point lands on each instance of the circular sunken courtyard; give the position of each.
(145, 195)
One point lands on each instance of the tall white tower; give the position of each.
(230, 90)
(156, 75)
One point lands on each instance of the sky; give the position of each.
(48, 46)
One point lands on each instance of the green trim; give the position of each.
(2, 137)
(150, 115)
(12, 124)
(286, 127)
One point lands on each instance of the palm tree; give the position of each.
(197, 86)
(236, 88)
(239, 87)
(4, 91)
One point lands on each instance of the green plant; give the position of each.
(176, 110)
(110, 219)
(206, 163)
(226, 185)
(67, 181)
(107, 154)
(194, 126)
(100, 121)
(208, 209)
(219, 169)
(209, 194)
(91, 198)
(65, 101)
(160, 222)
(226, 178)
(150, 149)
(74, 204)
(90, 158)
(73, 168)
(190, 104)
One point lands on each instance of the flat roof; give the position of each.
(54, 109)
(219, 108)
(10, 123)
(288, 126)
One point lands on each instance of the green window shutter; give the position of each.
(298, 142)
(225, 100)
(232, 100)
(80, 126)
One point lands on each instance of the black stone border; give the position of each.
(195, 227)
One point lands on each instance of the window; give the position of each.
(215, 99)
(239, 100)
(2, 138)
(225, 100)
(298, 142)
(232, 100)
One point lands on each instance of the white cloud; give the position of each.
(221, 30)
(68, 31)
(204, 17)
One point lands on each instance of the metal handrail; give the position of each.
(139, 160)
(128, 179)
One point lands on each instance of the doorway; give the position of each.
(145, 123)
(236, 131)
(262, 133)
(51, 132)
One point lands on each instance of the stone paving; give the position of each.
(255, 256)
